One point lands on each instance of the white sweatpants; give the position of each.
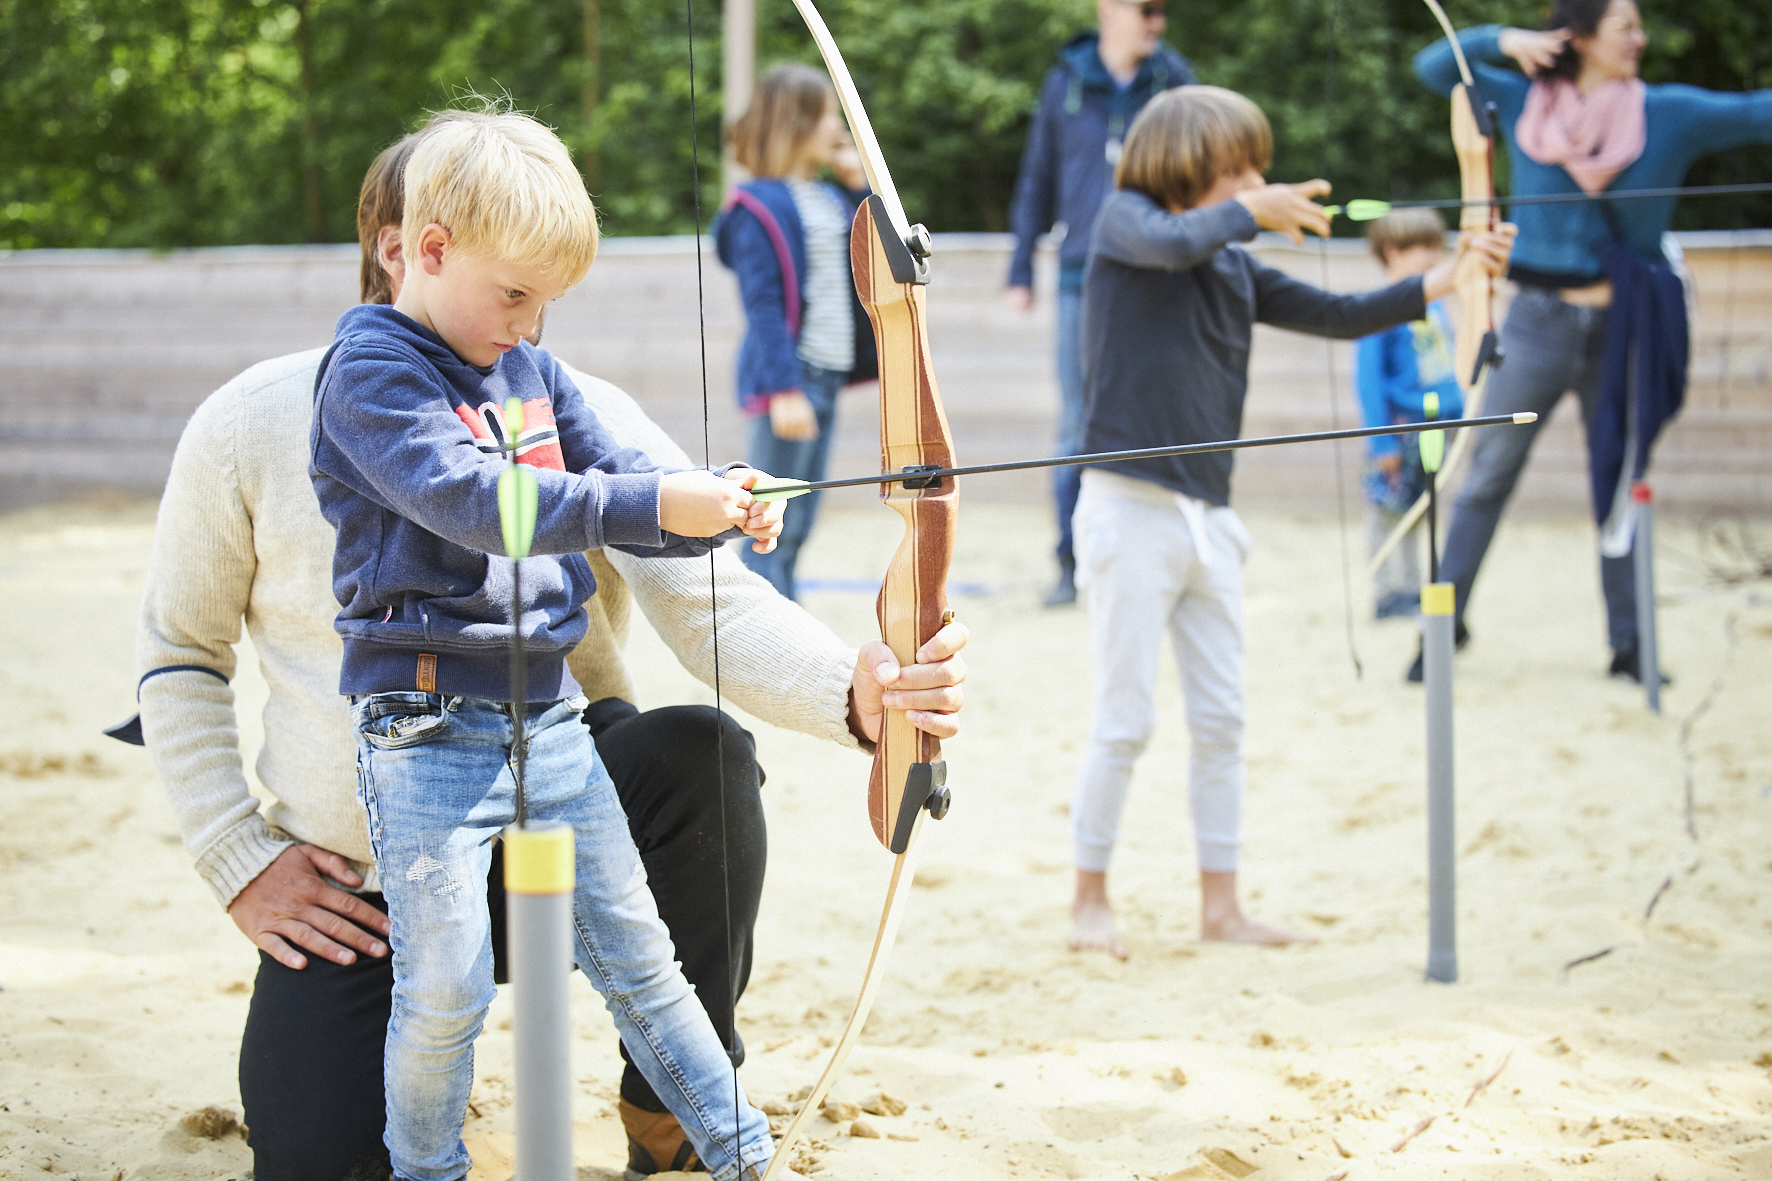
(1148, 560)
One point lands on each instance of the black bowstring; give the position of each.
(1347, 585)
(707, 452)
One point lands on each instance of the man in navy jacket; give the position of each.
(1102, 80)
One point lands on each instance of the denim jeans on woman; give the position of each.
(1551, 348)
(797, 459)
(435, 777)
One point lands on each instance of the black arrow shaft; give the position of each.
(1566, 198)
(1410, 428)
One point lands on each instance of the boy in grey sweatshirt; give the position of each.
(1170, 302)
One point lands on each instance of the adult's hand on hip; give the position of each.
(290, 903)
(929, 691)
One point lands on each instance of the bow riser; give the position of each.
(912, 605)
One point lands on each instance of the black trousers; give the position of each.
(311, 1057)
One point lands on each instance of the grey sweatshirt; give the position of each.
(1169, 311)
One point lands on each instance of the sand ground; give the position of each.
(123, 987)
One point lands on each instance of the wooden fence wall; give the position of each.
(107, 352)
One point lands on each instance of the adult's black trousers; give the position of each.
(311, 1057)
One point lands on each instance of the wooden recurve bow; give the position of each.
(890, 260)
(1477, 348)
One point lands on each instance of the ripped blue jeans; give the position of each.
(434, 773)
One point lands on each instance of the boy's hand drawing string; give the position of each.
(775, 488)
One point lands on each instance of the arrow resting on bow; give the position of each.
(890, 259)
(1477, 349)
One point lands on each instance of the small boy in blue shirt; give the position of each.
(407, 444)
(1394, 370)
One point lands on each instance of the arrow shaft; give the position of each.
(1569, 198)
(1165, 452)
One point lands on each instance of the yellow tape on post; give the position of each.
(539, 860)
(1438, 598)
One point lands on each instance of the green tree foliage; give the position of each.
(198, 122)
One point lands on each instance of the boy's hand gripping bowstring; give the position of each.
(517, 499)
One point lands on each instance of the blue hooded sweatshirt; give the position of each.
(1065, 169)
(405, 452)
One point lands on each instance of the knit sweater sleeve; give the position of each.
(776, 661)
(199, 579)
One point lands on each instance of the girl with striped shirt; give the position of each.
(785, 235)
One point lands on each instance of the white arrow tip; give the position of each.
(1524, 417)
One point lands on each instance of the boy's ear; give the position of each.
(428, 250)
(389, 254)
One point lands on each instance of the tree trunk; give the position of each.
(593, 55)
(312, 190)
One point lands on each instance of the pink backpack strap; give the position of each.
(790, 281)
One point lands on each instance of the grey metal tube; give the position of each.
(1442, 872)
(540, 934)
(1643, 554)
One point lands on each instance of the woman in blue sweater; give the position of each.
(786, 236)
(1579, 119)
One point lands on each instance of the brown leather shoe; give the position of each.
(656, 1144)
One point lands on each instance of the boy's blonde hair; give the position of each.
(504, 186)
(1186, 138)
(1404, 229)
(770, 137)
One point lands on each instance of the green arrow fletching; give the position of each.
(518, 494)
(1433, 443)
(772, 488)
(1359, 209)
(517, 499)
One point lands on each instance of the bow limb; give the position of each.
(873, 161)
(1477, 347)
(889, 258)
(904, 871)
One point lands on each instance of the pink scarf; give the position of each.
(1593, 138)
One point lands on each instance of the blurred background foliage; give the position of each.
(167, 123)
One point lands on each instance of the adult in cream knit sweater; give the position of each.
(240, 537)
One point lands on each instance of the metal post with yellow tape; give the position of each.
(539, 876)
(1438, 605)
(538, 905)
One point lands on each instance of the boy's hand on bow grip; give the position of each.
(1288, 209)
(701, 504)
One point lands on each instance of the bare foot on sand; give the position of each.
(1092, 919)
(1222, 919)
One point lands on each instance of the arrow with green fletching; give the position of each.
(769, 488)
(1366, 209)
(518, 496)
(517, 491)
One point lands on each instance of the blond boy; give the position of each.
(407, 442)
